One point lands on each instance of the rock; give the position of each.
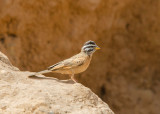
(20, 94)
(4, 61)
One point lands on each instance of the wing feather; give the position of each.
(70, 63)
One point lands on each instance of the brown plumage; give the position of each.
(76, 64)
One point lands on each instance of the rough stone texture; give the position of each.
(20, 94)
(35, 34)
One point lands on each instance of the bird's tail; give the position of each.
(41, 72)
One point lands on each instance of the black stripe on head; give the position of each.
(90, 43)
(89, 46)
(89, 50)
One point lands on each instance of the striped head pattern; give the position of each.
(90, 47)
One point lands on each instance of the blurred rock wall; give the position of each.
(125, 73)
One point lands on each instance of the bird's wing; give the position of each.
(56, 66)
(74, 62)
(68, 63)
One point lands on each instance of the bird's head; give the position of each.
(90, 47)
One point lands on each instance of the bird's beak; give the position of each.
(97, 48)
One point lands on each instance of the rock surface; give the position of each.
(35, 34)
(20, 94)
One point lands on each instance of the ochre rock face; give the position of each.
(124, 73)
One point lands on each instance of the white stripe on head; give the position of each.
(88, 46)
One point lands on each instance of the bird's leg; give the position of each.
(72, 77)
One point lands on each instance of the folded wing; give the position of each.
(67, 64)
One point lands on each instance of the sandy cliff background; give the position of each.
(125, 73)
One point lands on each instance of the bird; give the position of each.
(75, 64)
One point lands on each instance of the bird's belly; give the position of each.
(72, 71)
(75, 70)
(80, 69)
(63, 71)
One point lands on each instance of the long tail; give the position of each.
(41, 72)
